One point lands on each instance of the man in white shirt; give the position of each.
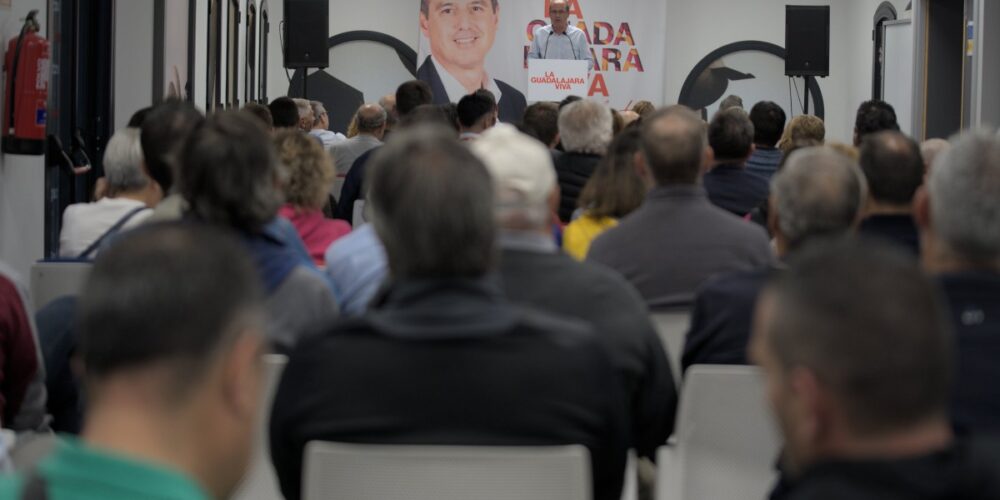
(321, 126)
(559, 40)
(461, 33)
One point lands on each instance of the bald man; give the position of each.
(371, 130)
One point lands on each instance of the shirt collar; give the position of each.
(456, 90)
(527, 241)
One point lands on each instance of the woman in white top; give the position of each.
(130, 195)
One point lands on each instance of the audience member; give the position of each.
(614, 191)
(617, 122)
(262, 112)
(818, 194)
(728, 183)
(306, 116)
(541, 121)
(443, 327)
(731, 101)
(874, 116)
(663, 248)
(371, 123)
(129, 196)
(164, 133)
(959, 218)
(477, 112)
(894, 169)
(22, 394)
(643, 108)
(388, 103)
(321, 126)
(585, 129)
(284, 112)
(858, 369)
(310, 177)
(170, 339)
(411, 94)
(802, 130)
(237, 187)
(568, 100)
(535, 274)
(450, 110)
(768, 123)
(628, 118)
(931, 149)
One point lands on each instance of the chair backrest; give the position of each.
(726, 441)
(358, 216)
(260, 481)
(53, 279)
(418, 472)
(672, 328)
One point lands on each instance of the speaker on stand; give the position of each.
(307, 28)
(807, 43)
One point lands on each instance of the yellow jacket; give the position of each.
(578, 235)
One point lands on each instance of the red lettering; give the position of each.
(633, 60)
(625, 34)
(598, 86)
(603, 33)
(611, 56)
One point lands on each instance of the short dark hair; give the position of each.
(425, 6)
(432, 205)
(230, 172)
(472, 107)
(569, 100)
(731, 134)
(164, 131)
(768, 123)
(171, 294)
(874, 116)
(893, 165)
(450, 110)
(867, 321)
(615, 189)
(427, 114)
(284, 112)
(138, 117)
(541, 121)
(674, 140)
(411, 94)
(261, 112)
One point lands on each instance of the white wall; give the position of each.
(22, 178)
(133, 59)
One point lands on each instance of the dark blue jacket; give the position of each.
(732, 188)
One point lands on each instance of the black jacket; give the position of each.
(555, 283)
(451, 362)
(512, 101)
(899, 229)
(733, 188)
(574, 170)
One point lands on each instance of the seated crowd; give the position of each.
(468, 282)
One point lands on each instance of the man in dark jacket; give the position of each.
(859, 370)
(894, 167)
(730, 186)
(444, 358)
(585, 128)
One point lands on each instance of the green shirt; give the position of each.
(77, 471)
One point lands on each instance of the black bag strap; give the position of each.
(112, 230)
(34, 487)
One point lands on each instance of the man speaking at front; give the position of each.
(559, 40)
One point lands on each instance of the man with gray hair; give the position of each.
(443, 326)
(729, 184)
(535, 273)
(585, 129)
(372, 119)
(818, 194)
(131, 194)
(677, 239)
(321, 126)
(958, 214)
(306, 116)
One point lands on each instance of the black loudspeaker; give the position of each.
(807, 40)
(307, 27)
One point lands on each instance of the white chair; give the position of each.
(260, 481)
(53, 279)
(726, 442)
(417, 472)
(672, 328)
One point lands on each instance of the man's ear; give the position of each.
(642, 168)
(708, 158)
(555, 141)
(243, 375)
(811, 404)
(772, 218)
(922, 208)
(425, 25)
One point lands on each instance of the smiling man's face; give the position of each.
(461, 32)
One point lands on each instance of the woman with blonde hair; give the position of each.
(309, 177)
(802, 129)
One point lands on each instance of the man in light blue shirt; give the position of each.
(357, 266)
(559, 40)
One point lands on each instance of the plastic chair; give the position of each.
(418, 472)
(726, 442)
(53, 279)
(672, 328)
(260, 481)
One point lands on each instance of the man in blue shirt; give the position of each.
(559, 40)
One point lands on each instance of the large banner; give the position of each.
(470, 44)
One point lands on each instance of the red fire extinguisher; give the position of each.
(27, 68)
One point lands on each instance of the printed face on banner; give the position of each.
(460, 32)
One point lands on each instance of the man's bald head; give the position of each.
(371, 119)
(674, 141)
(893, 166)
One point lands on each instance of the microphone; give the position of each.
(546, 50)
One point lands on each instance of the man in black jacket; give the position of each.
(444, 358)
(859, 365)
(585, 129)
(535, 273)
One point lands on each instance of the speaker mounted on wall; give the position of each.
(807, 40)
(307, 28)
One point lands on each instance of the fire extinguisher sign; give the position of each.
(42, 75)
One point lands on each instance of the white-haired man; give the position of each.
(585, 129)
